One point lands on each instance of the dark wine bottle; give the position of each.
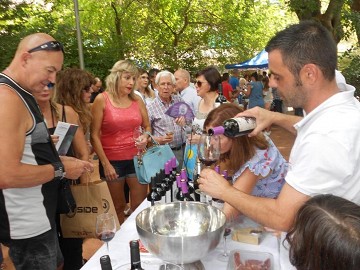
(185, 192)
(168, 181)
(220, 98)
(178, 187)
(153, 196)
(234, 127)
(105, 262)
(196, 177)
(135, 255)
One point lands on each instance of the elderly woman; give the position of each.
(116, 113)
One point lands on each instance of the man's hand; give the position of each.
(264, 119)
(74, 167)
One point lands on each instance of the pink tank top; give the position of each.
(117, 130)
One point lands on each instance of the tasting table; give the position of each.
(120, 250)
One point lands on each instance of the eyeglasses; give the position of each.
(48, 46)
(50, 85)
(199, 83)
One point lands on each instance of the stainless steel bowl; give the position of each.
(180, 232)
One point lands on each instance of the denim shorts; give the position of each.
(41, 252)
(124, 168)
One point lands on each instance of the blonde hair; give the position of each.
(112, 80)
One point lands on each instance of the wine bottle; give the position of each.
(167, 180)
(178, 185)
(153, 196)
(184, 176)
(196, 177)
(105, 262)
(135, 255)
(159, 187)
(234, 127)
(185, 195)
(220, 98)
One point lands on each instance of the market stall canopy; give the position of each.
(258, 62)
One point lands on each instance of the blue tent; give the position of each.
(258, 62)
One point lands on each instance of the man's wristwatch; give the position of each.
(59, 170)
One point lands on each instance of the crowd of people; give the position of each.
(36, 94)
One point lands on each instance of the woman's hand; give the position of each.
(110, 173)
(142, 141)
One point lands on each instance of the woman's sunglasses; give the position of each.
(199, 83)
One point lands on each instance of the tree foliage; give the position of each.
(167, 34)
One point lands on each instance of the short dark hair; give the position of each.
(212, 76)
(225, 77)
(326, 234)
(306, 43)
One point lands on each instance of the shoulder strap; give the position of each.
(63, 117)
(152, 138)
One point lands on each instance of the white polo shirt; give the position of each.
(325, 157)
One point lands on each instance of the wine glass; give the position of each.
(105, 228)
(209, 149)
(208, 154)
(138, 131)
(169, 132)
(224, 256)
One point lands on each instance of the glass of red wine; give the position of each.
(208, 153)
(209, 149)
(105, 228)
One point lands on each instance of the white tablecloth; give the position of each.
(120, 250)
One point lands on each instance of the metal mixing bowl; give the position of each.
(180, 232)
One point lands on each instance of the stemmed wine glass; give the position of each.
(209, 149)
(208, 154)
(224, 256)
(105, 228)
(138, 131)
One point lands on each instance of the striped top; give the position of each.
(29, 212)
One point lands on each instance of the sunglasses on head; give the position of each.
(50, 85)
(48, 46)
(199, 83)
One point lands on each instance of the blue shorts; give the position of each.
(124, 168)
(41, 252)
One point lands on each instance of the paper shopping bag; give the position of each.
(91, 199)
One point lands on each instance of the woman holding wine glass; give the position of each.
(256, 165)
(116, 113)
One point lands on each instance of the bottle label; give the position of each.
(245, 123)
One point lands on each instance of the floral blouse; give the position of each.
(262, 163)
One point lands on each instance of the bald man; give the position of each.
(30, 168)
(187, 93)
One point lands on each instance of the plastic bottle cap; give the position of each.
(217, 130)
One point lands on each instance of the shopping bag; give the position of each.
(152, 161)
(92, 199)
